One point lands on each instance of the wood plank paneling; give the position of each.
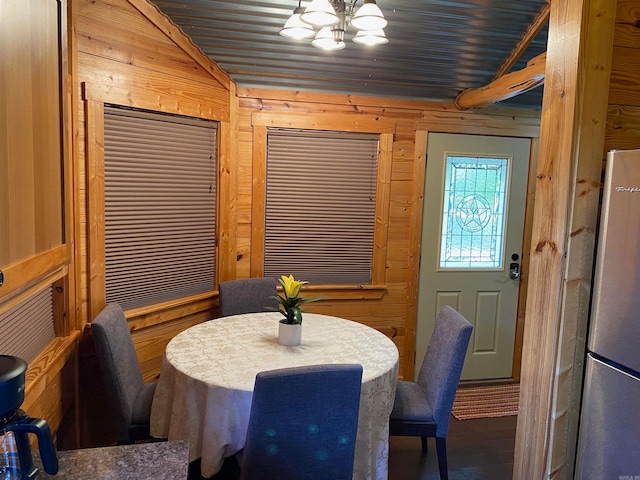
(135, 43)
(395, 311)
(625, 76)
(130, 54)
(151, 90)
(623, 114)
(565, 216)
(623, 127)
(139, 63)
(50, 390)
(31, 206)
(627, 30)
(35, 192)
(151, 342)
(168, 28)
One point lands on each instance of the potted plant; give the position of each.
(290, 328)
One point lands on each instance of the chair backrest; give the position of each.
(119, 365)
(249, 295)
(303, 423)
(442, 365)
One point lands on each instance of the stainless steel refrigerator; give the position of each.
(609, 431)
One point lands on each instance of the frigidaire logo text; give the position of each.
(628, 189)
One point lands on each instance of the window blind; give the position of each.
(320, 206)
(160, 206)
(27, 328)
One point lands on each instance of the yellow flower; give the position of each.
(290, 303)
(291, 286)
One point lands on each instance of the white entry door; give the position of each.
(472, 232)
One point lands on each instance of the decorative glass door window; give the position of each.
(473, 212)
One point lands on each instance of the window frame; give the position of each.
(94, 98)
(449, 157)
(130, 281)
(326, 122)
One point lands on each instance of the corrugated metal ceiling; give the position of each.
(436, 49)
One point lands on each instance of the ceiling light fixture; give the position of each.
(330, 18)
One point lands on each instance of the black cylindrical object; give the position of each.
(12, 377)
(16, 422)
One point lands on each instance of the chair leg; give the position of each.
(425, 446)
(441, 449)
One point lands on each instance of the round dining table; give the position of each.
(208, 372)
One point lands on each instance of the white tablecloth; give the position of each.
(208, 372)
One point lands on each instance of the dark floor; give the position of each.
(479, 449)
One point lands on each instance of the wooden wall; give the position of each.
(593, 76)
(125, 52)
(35, 200)
(623, 114)
(129, 54)
(394, 311)
(386, 312)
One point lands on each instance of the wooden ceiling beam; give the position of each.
(525, 41)
(507, 86)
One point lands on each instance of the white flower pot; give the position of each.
(289, 335)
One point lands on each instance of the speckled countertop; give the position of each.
(144, 461)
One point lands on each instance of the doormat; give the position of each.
(486, 402)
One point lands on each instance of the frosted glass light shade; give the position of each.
(325, 40)
(370, 37)
(369, 17)
(320, 13)
(296, 28)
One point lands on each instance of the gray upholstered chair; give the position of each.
(129, 397)
(423, 408)
(249, 295)
(303, 423)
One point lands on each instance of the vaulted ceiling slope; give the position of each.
(436, 49)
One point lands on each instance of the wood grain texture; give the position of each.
(480, 123)
(504, 87)
(595, 59)
(150, 343)
(94, 122)
(623, 127)
(160, 21)
(262, 94)
(571, 140)
(35, 192)
(31, 171)
(152, 91)
(625, 77)
(20, 277)
(627, 30)
(525, 261)
(413, 250)
(167, 84)
(257, 201)
(129, 54)
(534, 29)
(227, 240)
(383, 192)
(394, 311)
(51, 382)
(549, 241)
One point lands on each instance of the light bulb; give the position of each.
(296, 28)
(369, 17)
(320, 13)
